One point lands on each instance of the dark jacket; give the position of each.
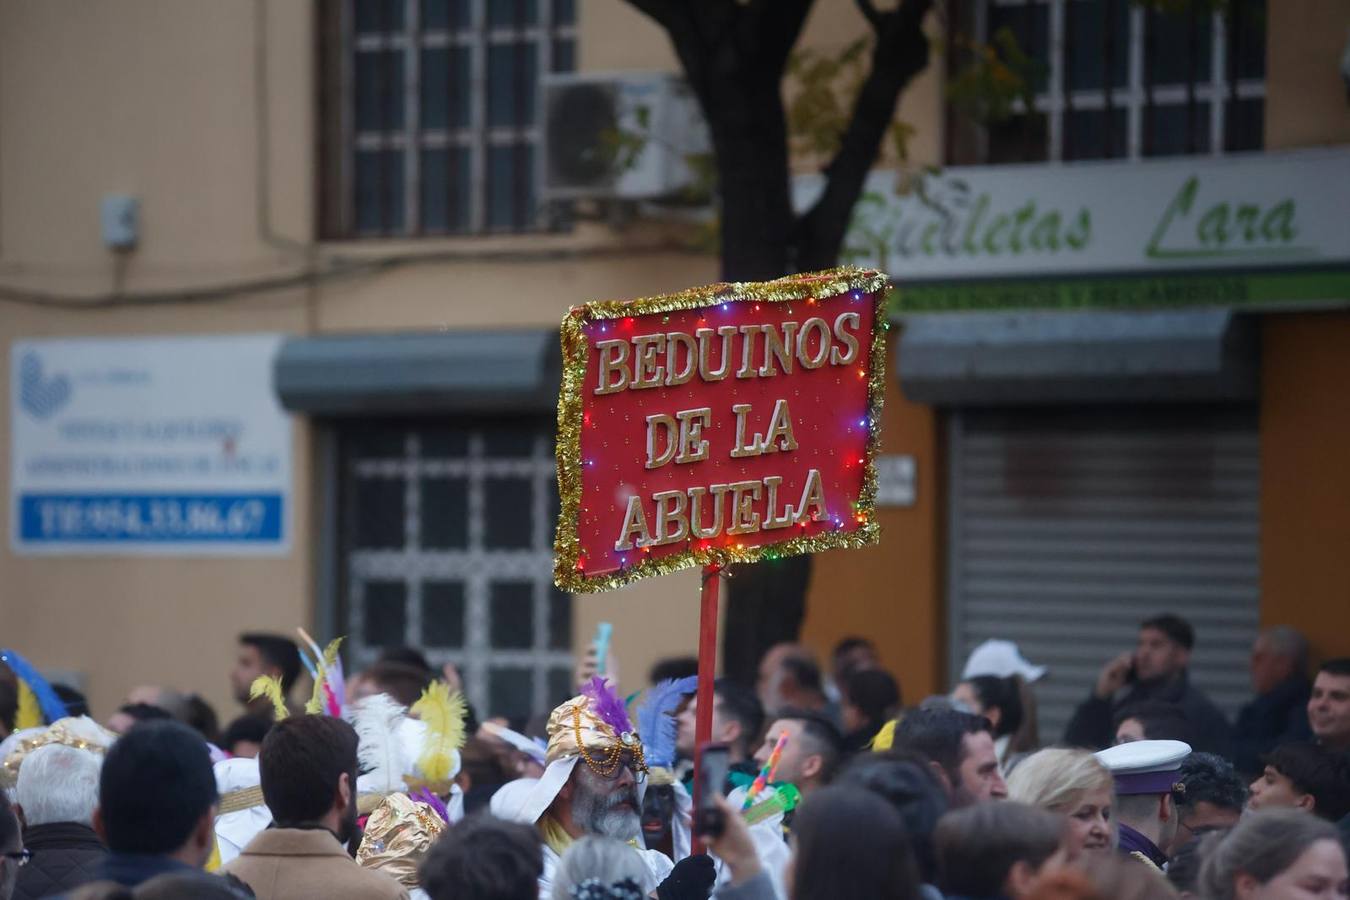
(130, 869)
(1091, 725)
(65, 855)
(1279, 717)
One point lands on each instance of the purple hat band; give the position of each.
(1147, 782)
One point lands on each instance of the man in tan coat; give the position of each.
(308, 769)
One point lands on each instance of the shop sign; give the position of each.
(730, 423)
(1154, 217)
(148, 446)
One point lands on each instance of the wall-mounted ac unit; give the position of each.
(619, 135)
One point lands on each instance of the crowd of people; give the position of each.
(387, 784)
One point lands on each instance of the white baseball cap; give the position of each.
(1000, 659)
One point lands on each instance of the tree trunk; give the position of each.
(750, 140)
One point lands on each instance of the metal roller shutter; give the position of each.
(1069, 527)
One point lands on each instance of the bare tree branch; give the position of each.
(900, 53)
(870, 13)
(663, 12)
(783, 23)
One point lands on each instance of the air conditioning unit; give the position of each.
(620, 135)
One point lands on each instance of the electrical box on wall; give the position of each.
(121, 220)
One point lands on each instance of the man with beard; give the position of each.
(960, 750)
(308, 769)
(593, 784)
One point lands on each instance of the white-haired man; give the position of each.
(593, 785)
(55, 796)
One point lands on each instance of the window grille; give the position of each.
(430, 114)
(1119, 79)
(447, 545)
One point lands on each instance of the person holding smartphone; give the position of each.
(1156, 670)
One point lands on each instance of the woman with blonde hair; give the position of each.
(1074, 784)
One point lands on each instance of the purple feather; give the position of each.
(607, 706)
(657, 724)
(430, 799)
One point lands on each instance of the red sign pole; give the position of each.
(707, 672)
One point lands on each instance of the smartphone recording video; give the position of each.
(714, 762)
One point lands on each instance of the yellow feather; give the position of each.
(29, 714)
(885, 738)
(269, 686)
(316, 702)
(443, 713)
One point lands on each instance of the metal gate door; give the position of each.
(1069, 527)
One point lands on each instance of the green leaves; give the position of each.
(999, 75)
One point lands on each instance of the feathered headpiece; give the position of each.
(885, 738)
(37, 700)
(326, 671)
(596, 727)
(443, 714)
(269, 686)
(656, 723)
(376, 719)
(607, 705)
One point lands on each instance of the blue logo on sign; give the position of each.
(41, 395)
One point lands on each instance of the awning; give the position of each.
(975, 359)
(456, 371)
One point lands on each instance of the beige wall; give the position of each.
(1306, 103)
(164, 100)
(161, 100)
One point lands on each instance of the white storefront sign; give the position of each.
(148, 446)
(1159, 216)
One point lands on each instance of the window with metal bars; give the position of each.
(429, 114)
(1118, 79)
(447, 545)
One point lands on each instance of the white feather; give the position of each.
(380, 752)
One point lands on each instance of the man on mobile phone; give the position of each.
(1156, 670)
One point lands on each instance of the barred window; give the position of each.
(430, 116)
(1121, 79)
(447, 545)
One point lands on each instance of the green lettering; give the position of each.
(1000, 223)
(903, 243)
(1180, 206)
(929, 233)
(1244, 220)
(1045, 234)
(1213, 228)
(1279, 222)
(968, 243)
(1081, 232)
(1021, 218)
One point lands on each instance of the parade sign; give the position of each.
(730, 423)
(149, 446)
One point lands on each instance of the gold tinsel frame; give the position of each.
(575, 353)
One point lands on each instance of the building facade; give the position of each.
(365, 180)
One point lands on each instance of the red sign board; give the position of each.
(729, 423)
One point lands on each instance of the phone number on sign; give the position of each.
(151, 518)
